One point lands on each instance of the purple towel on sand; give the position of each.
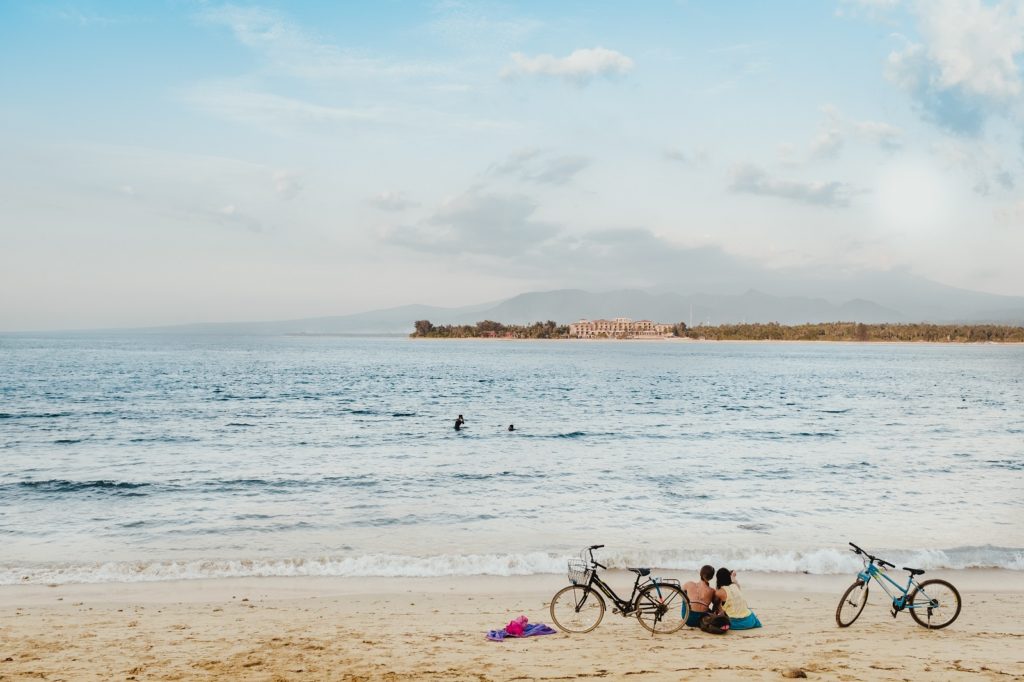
(529, 631)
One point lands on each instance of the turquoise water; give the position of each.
(149, 457)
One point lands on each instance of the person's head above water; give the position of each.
(707, 573)
(511, 427)
(723, 577)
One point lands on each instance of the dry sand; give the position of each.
(433, 629)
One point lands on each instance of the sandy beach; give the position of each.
(433, 629)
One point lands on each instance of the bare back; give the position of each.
(700, 595)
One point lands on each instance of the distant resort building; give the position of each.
(619, 328)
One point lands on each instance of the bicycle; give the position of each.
(933, 604)
(660, 605)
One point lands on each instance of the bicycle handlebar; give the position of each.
(593, 547)
(880, 562)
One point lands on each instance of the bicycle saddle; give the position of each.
(641, 571)
(914, 571)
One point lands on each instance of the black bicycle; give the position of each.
(659, 604)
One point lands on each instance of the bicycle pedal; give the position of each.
(894, 612)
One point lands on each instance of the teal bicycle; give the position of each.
(933, 604)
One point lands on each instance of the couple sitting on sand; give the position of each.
(727, 599)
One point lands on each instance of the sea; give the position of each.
(143, 457)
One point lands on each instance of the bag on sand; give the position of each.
(715, 624)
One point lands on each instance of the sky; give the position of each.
(184, 161)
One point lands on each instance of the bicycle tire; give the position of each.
(925, 616)
(662, 609)
(574, 607)
(855, 597)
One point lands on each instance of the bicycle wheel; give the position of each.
(934, 604)
(577, 609)
(852, 603)
(662, 608)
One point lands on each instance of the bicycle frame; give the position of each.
(879, 574)
(625, 607)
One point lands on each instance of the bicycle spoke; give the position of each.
(577, 609)
(655, 611)
(935, 604)
(851, 604)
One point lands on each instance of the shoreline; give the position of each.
(981, 580)
(976, 579)
(433, 629)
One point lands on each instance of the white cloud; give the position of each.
(975, 46)
(578, 68)
(290, 49)
(827, 144)
(978, 161)
(790, 155)
(268, 109)
(833, 132)
(517, 163)
(678, 155)
(468, 26)
(286, 115)
(478, 223)
(287, 184)
(534, 165)
(749, 179)
(911, 195)
(560, 170)
(86, 18)
(692, 157)
(1011, 215)
(969, 63)
(391, 201)
(884, 135)
(872, 9)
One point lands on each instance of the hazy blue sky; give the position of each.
(187, 161)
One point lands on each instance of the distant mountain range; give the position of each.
(895, 298)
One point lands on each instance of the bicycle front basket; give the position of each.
(579, 572)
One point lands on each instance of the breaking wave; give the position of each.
(819, 561)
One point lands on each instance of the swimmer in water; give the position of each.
(459, 422)
(511, 427)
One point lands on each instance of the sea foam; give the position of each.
(820, 561)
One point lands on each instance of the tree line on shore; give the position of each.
(858, 331)
(770, 331)
(489, 328)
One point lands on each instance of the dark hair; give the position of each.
(723, 577)
(707, 572)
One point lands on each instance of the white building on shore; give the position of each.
(619, 328)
